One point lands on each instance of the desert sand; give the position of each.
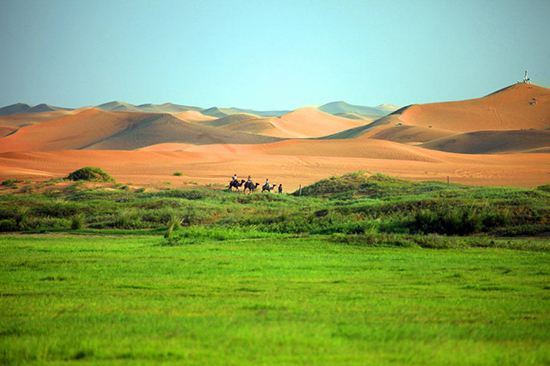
(499, 139)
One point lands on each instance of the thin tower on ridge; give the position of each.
(526, 78)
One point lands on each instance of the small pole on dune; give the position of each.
(448, 181)
(300, 190)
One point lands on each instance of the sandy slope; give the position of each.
(289, 162)
(311, 122)
(193, 116)
(520, 106)
(207, 154)
(409, 134)
(481, 142)
(511, 119)
(96, 129)
(26, 119)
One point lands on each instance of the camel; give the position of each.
(267, 187)
(236, 184)
(250, 186)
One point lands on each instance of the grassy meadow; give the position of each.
(356, 270)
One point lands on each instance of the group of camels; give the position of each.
(251, 186)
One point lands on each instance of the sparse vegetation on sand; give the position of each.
(359, 269)
(91, 174)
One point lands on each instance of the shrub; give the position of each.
(90, 174)
(11, 183)
(127, 220)
(447, 220)
(173, 224)
(8, 225)
(178, 174)
(77, 222)
(55, 209)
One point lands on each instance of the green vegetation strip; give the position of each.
(354, 204)
(259, 300)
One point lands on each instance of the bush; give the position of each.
(90, 174)
(55, 209)
(447, 220)
(77, 222)
(127, 220)
(11, 183)
(178, 174)
(7, 225)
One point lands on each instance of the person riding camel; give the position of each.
(234, 177)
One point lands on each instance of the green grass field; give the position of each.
(357, 270)
(274, 300)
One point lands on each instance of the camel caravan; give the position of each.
(251, 186)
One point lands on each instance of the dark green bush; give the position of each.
(447, 220)
(11, 183)
(90, 173)
(7, 225)
(56, 209)
(77, 222)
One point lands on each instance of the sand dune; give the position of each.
(302, 123)
(279, 162)
(339, 108)
(409, 134)
(482, 142)
(350, 115)
(26, 119)
(20, 108)
(193, 116)
(96, 129)
(311, 122)
(117, 106)
(208, 149)
(166, 128)
(5, 130)
(230, 120)
(251, 124)
(520, 106)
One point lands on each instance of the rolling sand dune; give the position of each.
(409, 134)
(230, 120)
(350, 115)
(440, 126)
(69, 132)
(26, 119)
(20, 108)
(520, 106)
(116, 106)
(204, 166)
(96, 129)
(302, 123)
(208, 149)
(166, 128)
(482, 142)
(5, 130)
(193, 116)
(339, 108)
(311, 122)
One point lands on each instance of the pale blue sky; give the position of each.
(268, 54)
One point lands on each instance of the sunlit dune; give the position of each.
(193, 116)
(311, 122)
(520, 106)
